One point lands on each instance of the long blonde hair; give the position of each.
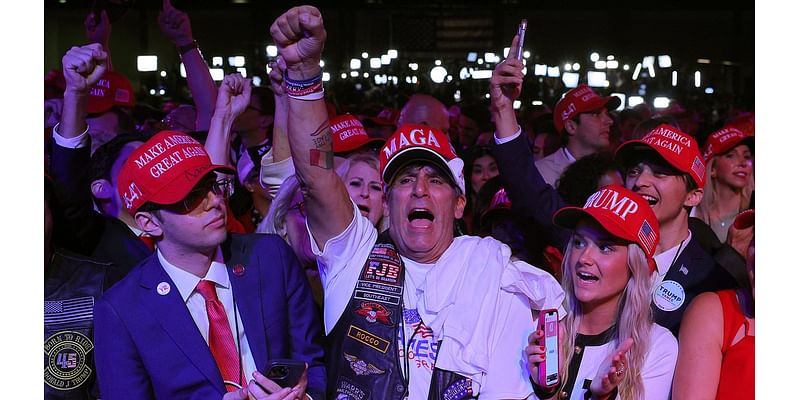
(275, 221)
(711, 190)
(634, 320)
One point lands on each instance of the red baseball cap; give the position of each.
(580, 100)
(348, 134)
(113, 89)
(721, 141)
(677, 148)
(622, 213)
(500, 203)
(412, 142)
(164, 170)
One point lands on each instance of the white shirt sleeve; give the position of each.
(272, 174)
(77, 142)
(340, 261)
(508, 139)
(659, 364)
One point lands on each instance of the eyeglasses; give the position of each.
(300, 207)
(198, 197)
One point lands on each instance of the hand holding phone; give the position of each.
(548, 370)
(523, 26)
(285, 372)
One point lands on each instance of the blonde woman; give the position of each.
(609, 348)
(729, 179)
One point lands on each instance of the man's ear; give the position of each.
(149, 223)
(461, 203)
(102, 189)
(570, 127)
(693, 198)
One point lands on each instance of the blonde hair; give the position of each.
(275, 221)
(711, 189)
(634, 320)
(371, 160)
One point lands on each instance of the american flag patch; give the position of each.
(68, 311)
(647, 236)
(698, 167)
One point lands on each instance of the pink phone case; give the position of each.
(549, 330)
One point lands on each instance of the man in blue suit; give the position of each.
(207, 311)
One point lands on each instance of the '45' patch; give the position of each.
(67, 354)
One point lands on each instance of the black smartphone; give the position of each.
(285, 372)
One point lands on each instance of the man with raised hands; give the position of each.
(665, 167)
(413, 312)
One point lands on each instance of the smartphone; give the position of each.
(285, 372)
(548, 322)
(523, 26)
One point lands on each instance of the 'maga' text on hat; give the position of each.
(416, 137)
(608, 199)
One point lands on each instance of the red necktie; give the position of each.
(220, 338)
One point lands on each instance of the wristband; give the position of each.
(309, 89)
(187, 47)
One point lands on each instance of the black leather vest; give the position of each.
(72, 286)
(364, 360)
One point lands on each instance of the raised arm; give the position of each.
(232, 99)
(98, 30)
(530, 195)
(177, 27)
(83, 67)
(300, 36)
(280, 132)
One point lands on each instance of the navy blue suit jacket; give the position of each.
(148, 346)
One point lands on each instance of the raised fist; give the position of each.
(175, 24)
(300, 36)
(97, 31)
(83, 66)
(233, 96)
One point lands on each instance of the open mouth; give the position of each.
(587, 277)
(420, 217)
(364, 210)
(649, 199)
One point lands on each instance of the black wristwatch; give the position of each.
(187, 47)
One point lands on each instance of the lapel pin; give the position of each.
(163, 288)
(684, 270)
(238, 269)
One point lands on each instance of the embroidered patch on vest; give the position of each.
(361, 367)
(382, 271)
(375, 296)
(458, 390)
(346, 390)
(368, 339)
(375, 312)
(67, 355)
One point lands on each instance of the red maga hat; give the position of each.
(721, 141)
(622, 213)
(113, 89)
(413, 142)
(349, 134)
(164, 170)
(677, 148)
(580, 100)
